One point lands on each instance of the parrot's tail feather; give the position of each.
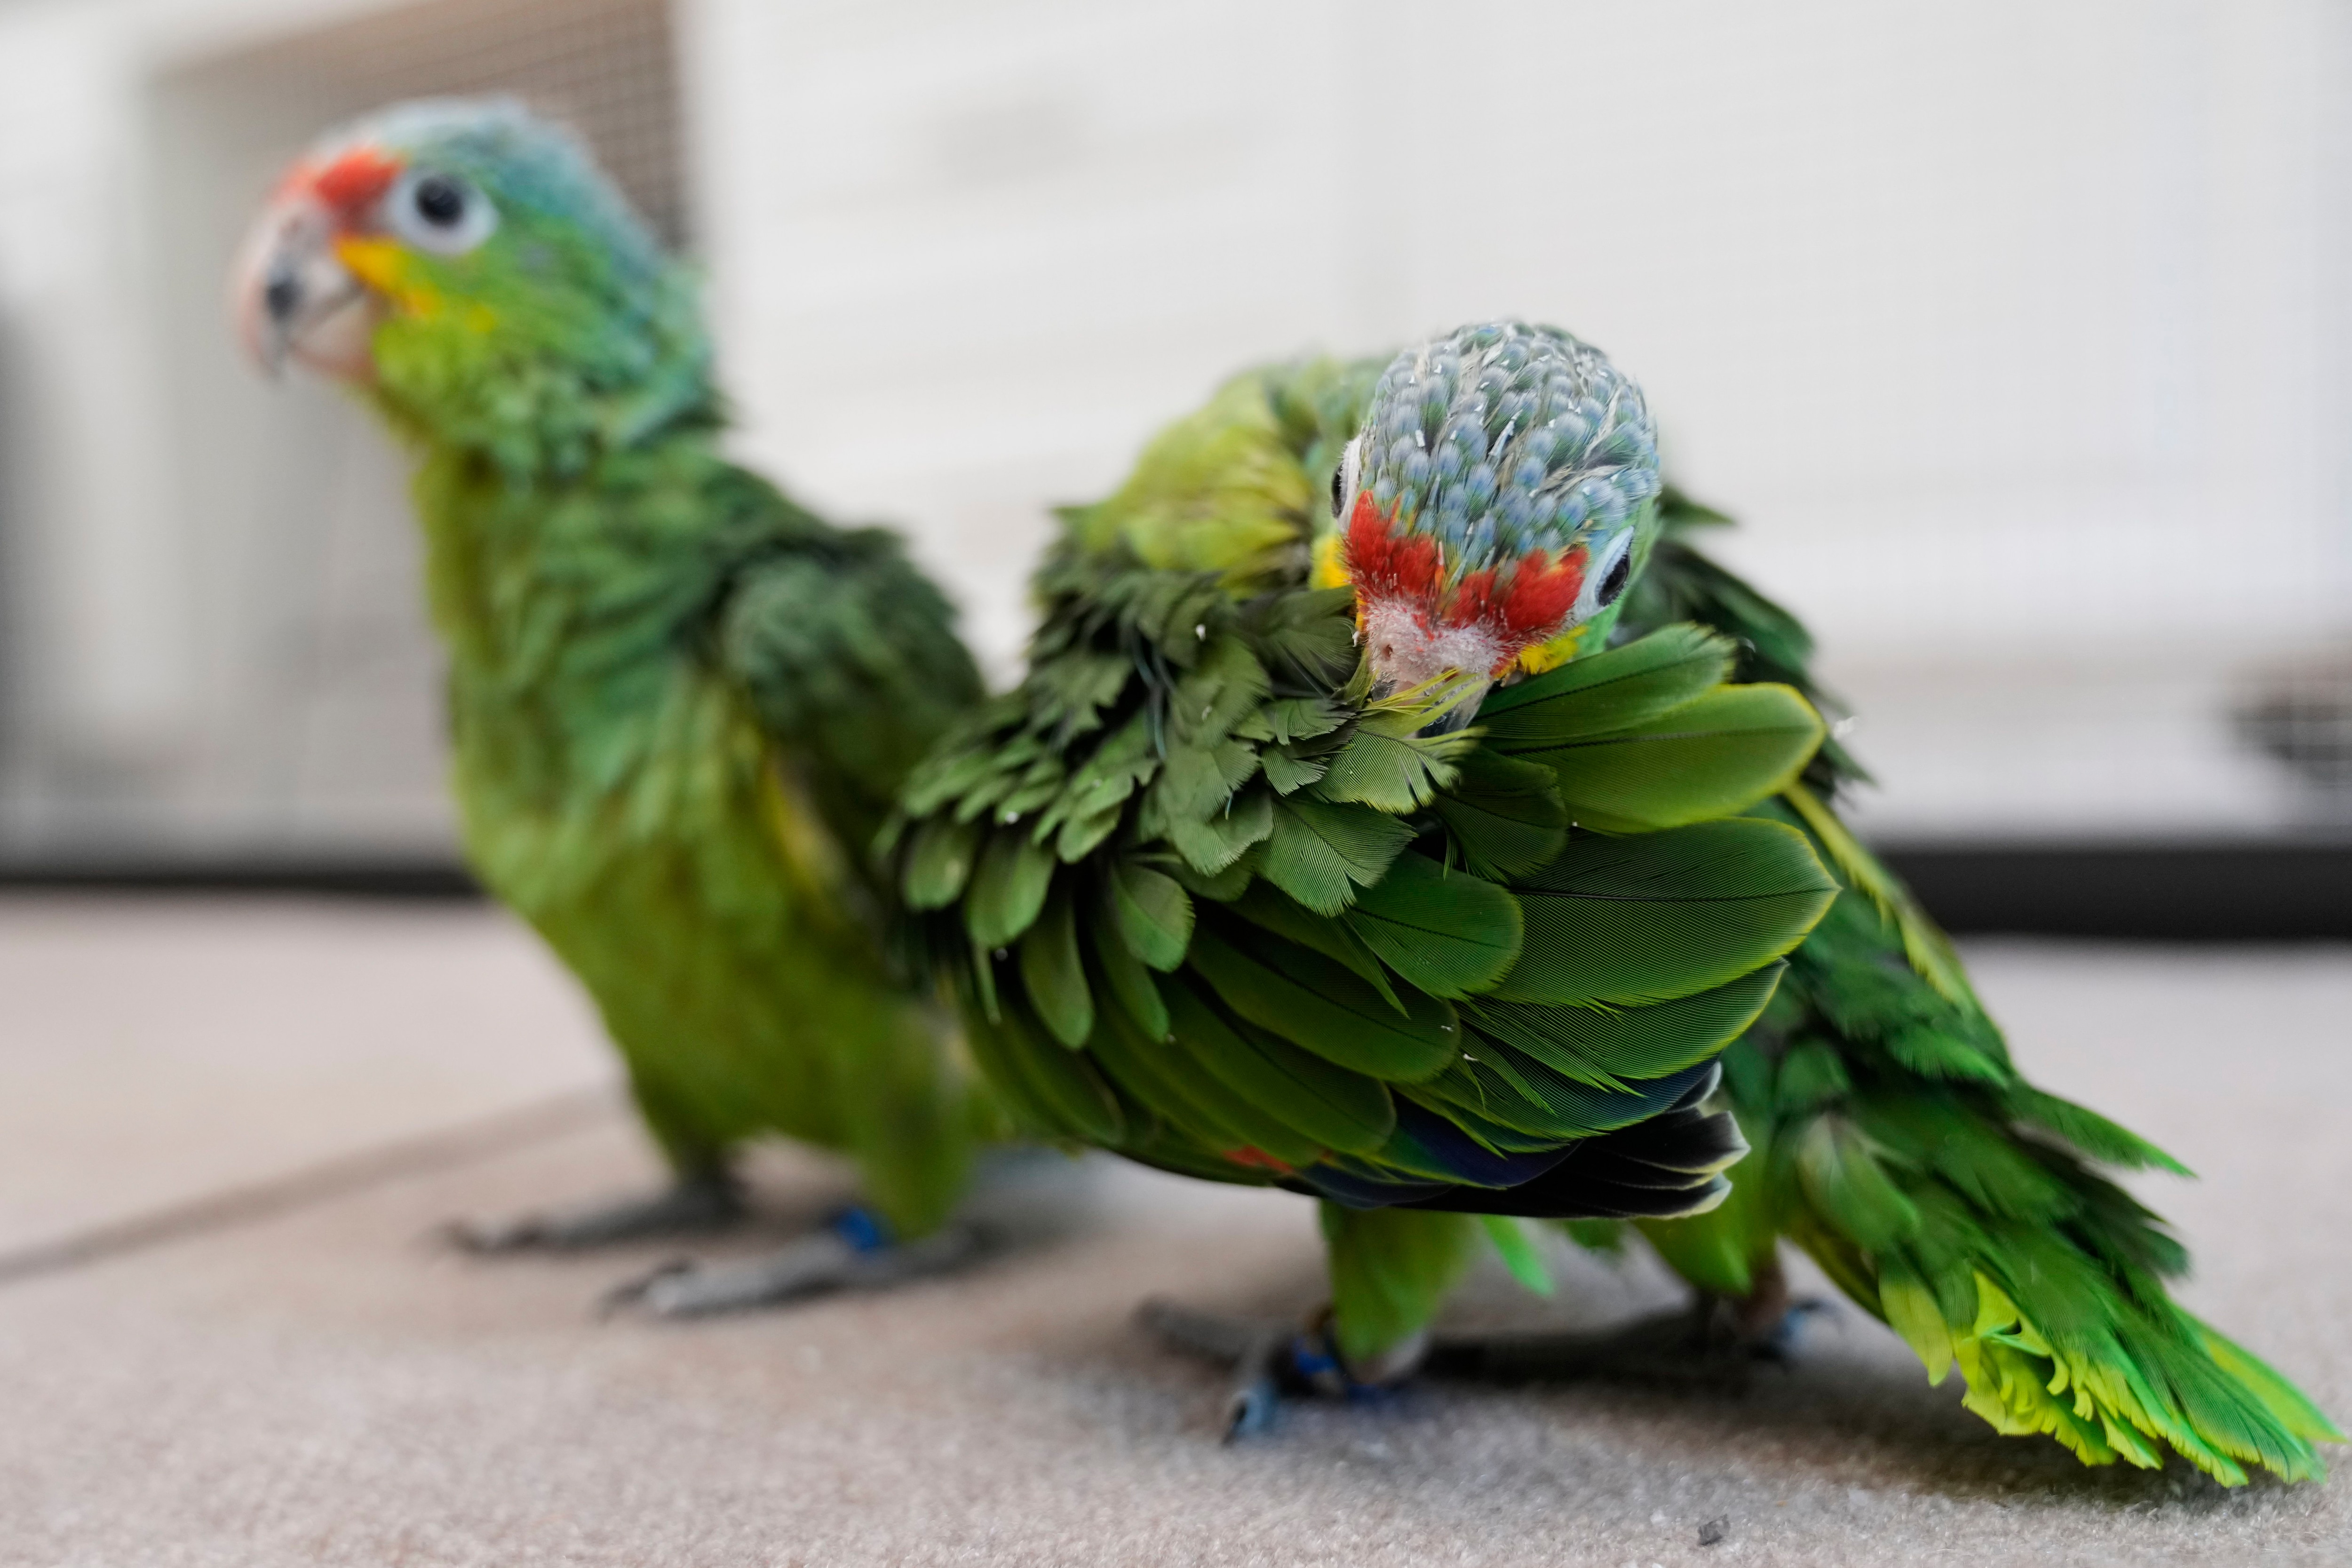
(1950, 1205)
(1899, 1145)
(2146, 1378)
(2282, 1398)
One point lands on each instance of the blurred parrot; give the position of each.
(1232, 886)
(680, 704)
(1897, 1144)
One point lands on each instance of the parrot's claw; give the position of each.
(1780, 1345)
(1257, 1389)
(1254, 1348)
(705, 1201)
(850, 1254)
(1269, 1359)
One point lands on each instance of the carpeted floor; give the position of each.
(297, 1374)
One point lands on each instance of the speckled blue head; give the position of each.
(1492, 497)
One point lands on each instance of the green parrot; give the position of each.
(1894, 1140)
(1232, 886)
(1897, 1144)
(680, 704)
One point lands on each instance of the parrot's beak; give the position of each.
(1406, 650)
(295, 300)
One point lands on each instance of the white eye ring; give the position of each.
(1614, 556)
(434, 210)
(1345, 480)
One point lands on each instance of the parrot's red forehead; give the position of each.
(349, 180)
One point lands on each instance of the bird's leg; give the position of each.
(1765, 1321)
(1271, 1358)
(1716, 1339)
(1016, 1198)
(704, 1198)
(853, 1251)
(1255, 1349)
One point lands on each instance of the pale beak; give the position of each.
(295, 300)
(1406, 652)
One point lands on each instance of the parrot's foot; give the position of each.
(1255, 1349)
(854, 1252)
(708, 1200)
(1716, 1340)
(1271, 1358)
(1779, 1343)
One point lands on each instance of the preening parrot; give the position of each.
(1233, 884)
(1895, 1141)
(680, 704)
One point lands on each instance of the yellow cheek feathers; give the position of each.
(1550, 654)
(1328, 573)
(384, 265)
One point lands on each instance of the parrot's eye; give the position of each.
(1614, 584)
(439, 212)
(1611, 572)
(439, 201)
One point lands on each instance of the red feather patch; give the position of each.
(1380, 562)
(1474, 599)
(1524, 606)
(1542, 593)
(352, 183)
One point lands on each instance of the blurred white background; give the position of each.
(2015, 333)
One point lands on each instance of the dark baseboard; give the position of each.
(2238, 890)
(420, 878)
(2243, 889)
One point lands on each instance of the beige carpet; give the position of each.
(297, 1376)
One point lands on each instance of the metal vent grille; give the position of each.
(314, 717)
(607, 68)
(2301, 715)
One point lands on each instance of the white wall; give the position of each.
(966, 255)
(2015, 332)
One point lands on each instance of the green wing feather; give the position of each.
(1897, 1144)
(1218, 913)
(849, 655)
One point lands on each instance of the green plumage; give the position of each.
(1896, 1144)
(1214, 904)
(680, 704)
